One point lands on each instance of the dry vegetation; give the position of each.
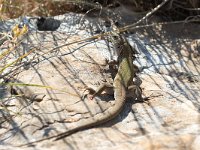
(16, 8)
(173, 10)
(176, 9)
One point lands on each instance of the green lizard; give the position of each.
(123, 81)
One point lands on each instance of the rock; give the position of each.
(47, 24)
(168, 118)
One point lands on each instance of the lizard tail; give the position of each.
(103, 117)
(96, 120)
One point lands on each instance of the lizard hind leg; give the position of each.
(91, 93)
(135, 92)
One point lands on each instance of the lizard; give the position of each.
(123, 81)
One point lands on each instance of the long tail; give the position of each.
(98, 119)
(102, 117)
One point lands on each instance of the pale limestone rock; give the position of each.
(167, 120)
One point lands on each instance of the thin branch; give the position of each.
(145, 17)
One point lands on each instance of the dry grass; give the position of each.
(16, 8)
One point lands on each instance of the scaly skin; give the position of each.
(122, 81)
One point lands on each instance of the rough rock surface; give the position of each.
(168, 118)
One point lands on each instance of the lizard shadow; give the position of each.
(127, 108)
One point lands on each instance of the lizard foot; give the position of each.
(135, 92)
(89, 93)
